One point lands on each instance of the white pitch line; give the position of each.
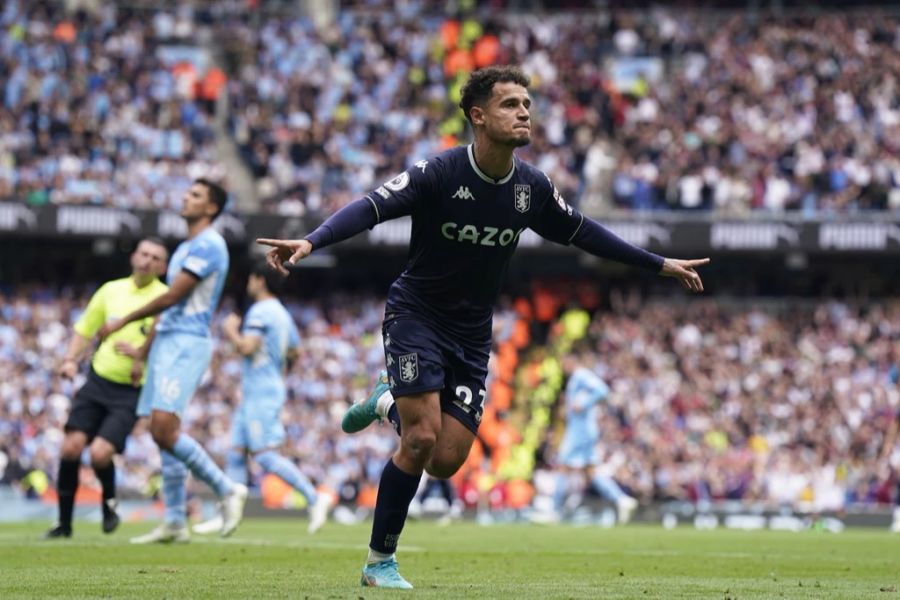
(20, 540)
(296, 544)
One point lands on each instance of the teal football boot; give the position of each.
(384, 574)
(362, 414)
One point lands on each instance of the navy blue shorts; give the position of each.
(421, 357)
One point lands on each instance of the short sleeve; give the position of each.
(556, 220)
(406, 192)
(254, 322)
(203, 258)
(94, 316)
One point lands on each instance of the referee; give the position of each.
(103, 410)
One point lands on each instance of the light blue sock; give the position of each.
(561, 491)
(607, 487)
(174, 476)
(236, 466)
(188, 451)
(277, 465)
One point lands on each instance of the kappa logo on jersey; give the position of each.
(561, 202)
(463, 193)
(421, 165)
(523, 197)
(409, 367)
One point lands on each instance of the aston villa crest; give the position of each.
(409, 367)
(523, 197)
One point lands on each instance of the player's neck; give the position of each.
(141, 282)
(494, 160)
(194, 227)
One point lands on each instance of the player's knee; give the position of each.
(419, 442)
(101, 453)
(72, 446)
(163, 435)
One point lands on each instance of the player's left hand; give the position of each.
(109, 328)
(232, 323)
(684, 271)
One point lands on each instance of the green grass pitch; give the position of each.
(275, 558)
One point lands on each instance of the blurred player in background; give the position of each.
(468, 206)
(890, 454)
(268, 341)
(103, 409)
(578, 452)
(179, 356)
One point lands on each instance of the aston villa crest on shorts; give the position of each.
(409, 367)
(523, 197)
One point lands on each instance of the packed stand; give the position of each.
(97, 108)
(785, 407)
(775, 114)
(780, 405)
(689, 111)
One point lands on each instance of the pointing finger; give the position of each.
(270, 242)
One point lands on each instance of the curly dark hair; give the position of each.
(478, 88)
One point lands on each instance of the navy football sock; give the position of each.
(395, 491)
(394, 417)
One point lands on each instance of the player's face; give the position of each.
(148, 261)
(253, 283)
(196, 203)
(507, 115)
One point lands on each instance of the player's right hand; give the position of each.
(68, 369)
(137, 372)
(127, 349)
(291, 251)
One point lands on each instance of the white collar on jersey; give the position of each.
(488, 178)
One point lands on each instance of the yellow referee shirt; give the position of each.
(114, 300)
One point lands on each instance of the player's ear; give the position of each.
(476, 113)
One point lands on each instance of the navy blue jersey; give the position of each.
(465, 227)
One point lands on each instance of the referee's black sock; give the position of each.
(107, 477)
(66, 486)
(395, 491)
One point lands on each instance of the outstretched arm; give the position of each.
(395, 198)
(184, 283)
(596, 239)
(354, 218)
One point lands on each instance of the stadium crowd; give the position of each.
(709, 401)
(95, 111)
(657, 110)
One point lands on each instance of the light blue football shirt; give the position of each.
(206, 256)
(584, 392)
(263, 371)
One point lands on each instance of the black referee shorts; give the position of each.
(104, 408)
